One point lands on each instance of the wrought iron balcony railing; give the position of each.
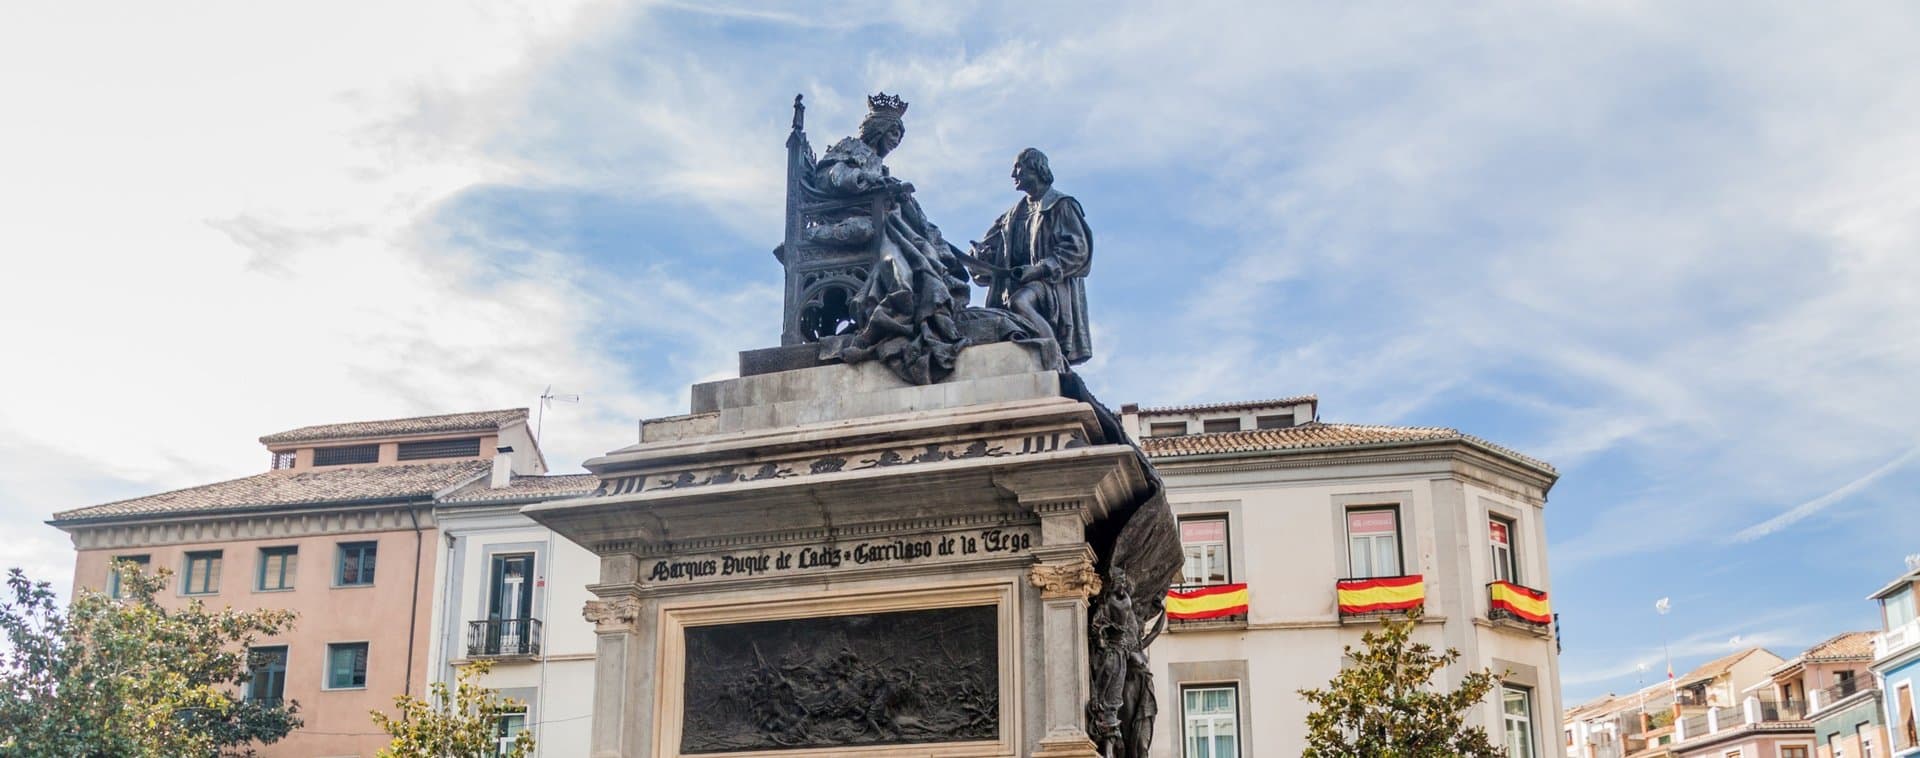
(1515, 602)
(1365, 597)
(503, 638)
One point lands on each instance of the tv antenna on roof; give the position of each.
(1913, 562)
(548, 398)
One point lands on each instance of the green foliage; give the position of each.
(458, 724)
(127, 677)
(1384, 705)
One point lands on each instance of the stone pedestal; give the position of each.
(829, 561)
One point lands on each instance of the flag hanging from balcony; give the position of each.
(1523, 602)
(1387, 593)
(1217, 601)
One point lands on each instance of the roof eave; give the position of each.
(1547, 475)
(63, 523)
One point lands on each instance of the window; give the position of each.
(1899, 608)
(1218, 425)
(354, 568)
(1834, 747)
(346, 454)
(1281, 421)
(267, 673)
(506, 728)
(1864, 730)
(283, 460)
(276, 568)
(462, 448)
(1516, 712)
(1204, 540)
(113, 572)
(202, 573)
(1793, 751)
(1732, 754)
(346, 665)
(1500, 535)
(1903, 728)
(1373, 542)
(1213, 722)
(1169, 429)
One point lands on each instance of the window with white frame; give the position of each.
(1899, 608)
(1835, 747)
(1516, 713)
(202, 574)
(1864, 730)
(507, 729)
(1500, 536)
(1373, 542)
(1212, 717)
(1904, 734)
(1204, 541)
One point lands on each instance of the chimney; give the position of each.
(502, 467)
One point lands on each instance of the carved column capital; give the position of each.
(1075, 579)
(616, 615)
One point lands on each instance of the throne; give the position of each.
(829, 248)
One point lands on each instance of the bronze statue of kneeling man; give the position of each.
(1035, 259)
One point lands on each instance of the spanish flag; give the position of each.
(1217, 601)
(1391, 593)
(1523, 602)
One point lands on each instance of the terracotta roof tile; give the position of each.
(289, 487)
(530, 487)
(1844, 646)
(471, 421)
(1229, 406)
(1719, 666)
(1316, 436)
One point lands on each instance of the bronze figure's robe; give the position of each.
(1050, 233)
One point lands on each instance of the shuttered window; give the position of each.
(345, 455)
(461, 448)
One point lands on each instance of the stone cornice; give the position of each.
(253, 526)
(1466, 461)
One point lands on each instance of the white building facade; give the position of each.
(1271, 498)
(510, 592)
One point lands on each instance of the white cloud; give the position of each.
(214, 236)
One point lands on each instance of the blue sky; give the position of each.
(1668, 248)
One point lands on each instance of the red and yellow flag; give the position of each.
(1391, 593)
(1213, 602)
(1523, 602)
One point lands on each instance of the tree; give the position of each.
(460, 724)
(127, 677)
(1384, 705)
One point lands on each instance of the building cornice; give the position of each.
(282, 523)
(1479, 466)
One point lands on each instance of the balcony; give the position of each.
(1896, 640)
(503, 638)
(1507, 601)
(1377, 596)
(1205, 606)
(1825, 697)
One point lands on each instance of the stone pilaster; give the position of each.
(1066, 580)
(618, 663)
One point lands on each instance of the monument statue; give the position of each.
(870, 278)
(1038, 254)
(901, 310)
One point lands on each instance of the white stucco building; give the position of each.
(511, 592)
(1274, 499)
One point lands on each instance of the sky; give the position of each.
(1668, 247)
